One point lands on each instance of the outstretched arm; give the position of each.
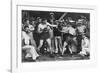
(51, 25)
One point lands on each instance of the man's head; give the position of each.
(39, 19)
(79, 22)
(26, 29)
(51, 13)
(69, 25)
(26, 21)
(44, 21)
(33, 23)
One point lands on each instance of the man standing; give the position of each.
(69, 36)
(44, 31)
(81, 28)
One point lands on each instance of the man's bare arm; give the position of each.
(51, 25)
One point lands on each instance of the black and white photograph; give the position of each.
(49, 37)
(54, 36)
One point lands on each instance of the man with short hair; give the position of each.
(81, 29)
(69, 36)
(43, 30)
(27, 45)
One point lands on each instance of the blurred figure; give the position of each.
(69, 38)
(30, 31)
(43, 30)
(35, 33)
(85, 46)
(81, 29)
(27, 45)
(58, 39)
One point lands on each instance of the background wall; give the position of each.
(5, 34)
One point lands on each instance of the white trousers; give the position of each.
(85, 47)
(31, 50)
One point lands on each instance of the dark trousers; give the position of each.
(79, 41)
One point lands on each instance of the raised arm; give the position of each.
(51, 25)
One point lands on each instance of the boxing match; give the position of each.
(55, 36)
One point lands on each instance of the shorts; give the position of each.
(45, 35)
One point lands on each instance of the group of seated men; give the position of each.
(57, 37)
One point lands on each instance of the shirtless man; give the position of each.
(69, 33)
(44, 31)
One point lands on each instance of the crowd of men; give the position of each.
(64, 36)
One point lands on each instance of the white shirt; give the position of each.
(85, 46)
(85, 42)
(71, 30)
(26, 37)
(65, 29)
